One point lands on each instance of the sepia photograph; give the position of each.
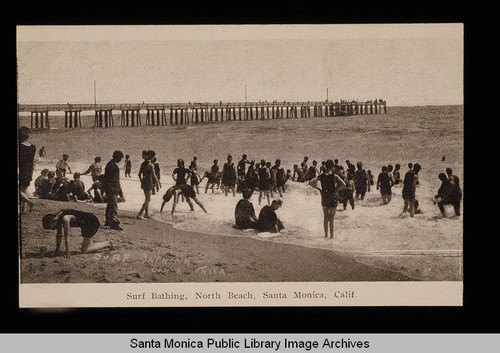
(240, 165)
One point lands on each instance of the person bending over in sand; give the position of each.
(448, 194)
(244, 213)
(89, 224)
(184, 189)
(268, 220)
(329, 181)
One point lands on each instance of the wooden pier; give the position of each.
(193, 113)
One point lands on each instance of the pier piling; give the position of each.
(187, 113)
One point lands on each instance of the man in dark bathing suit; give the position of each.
(329, 181)
(384, 183)
(183, 189)
(89, 224)
(228, 176)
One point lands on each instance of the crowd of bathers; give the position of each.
(265, 177)
(338, 184)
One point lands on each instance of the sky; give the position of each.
(405, 64)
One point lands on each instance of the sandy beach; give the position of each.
(425, 248)
(150, 251)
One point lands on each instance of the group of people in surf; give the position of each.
(335, 183)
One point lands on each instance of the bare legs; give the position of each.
(328, 215)
(145, 205)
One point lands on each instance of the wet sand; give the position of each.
(149, 251)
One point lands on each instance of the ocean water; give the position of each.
(405, 134)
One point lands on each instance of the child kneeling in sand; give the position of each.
(88, 223)
(183, 189)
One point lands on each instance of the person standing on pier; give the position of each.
(113, 189)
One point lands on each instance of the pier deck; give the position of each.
(189, 113)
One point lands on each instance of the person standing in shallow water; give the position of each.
(409, 188)
(229, 176)
(384, 183)
(329, 181)
(241, 171)
(397, 174)
(95, 169)
(455, 180)
(180, 174)
(62, 167)
(213, 177)
(361, 181)
(265, 182)
(149, 183)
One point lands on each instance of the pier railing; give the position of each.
(194, 112)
